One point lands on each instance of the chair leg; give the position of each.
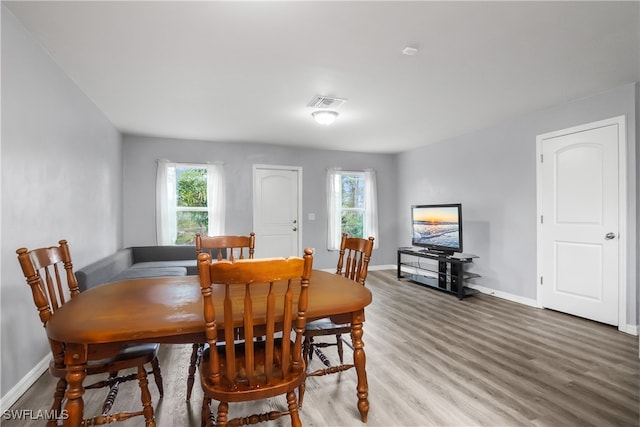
(145, 397)
(223, 411)
(58, 396)
(339, 344)
(310, 352)
(114, 387)
(301, 391)
(306, 348)
(293, 409)
(205, 412)
(157, 375)
(195, 355)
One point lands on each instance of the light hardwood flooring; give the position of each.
(435, 361)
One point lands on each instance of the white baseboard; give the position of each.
(382, 267)
(504, 295)
(629, 329)
(23, 385)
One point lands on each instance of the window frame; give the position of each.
(167, 207)
(335, 208)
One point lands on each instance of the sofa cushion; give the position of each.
(190, 264)
(103, 270)
(142, 272)
(139, 261)
(162, 253)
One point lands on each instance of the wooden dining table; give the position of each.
(100, 320)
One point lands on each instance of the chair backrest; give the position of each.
(226, 247)
(358, 253)
(266, 292)
(49, 273)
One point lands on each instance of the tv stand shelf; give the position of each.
(446, 273)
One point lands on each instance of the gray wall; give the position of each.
(140, 154)
(492, 172)
(61, 179)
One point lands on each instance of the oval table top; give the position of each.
(163, 307)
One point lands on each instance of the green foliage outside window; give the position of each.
(190, 223)
(352, 223)
(353, 205)
(191, 187)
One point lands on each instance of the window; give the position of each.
(190, 199)
(352, 205)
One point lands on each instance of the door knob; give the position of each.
(295, 228)
(610, 236)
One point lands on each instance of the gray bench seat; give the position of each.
(139, 262)
(142, 272)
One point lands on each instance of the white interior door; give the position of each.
(277, 207)
(579, 230)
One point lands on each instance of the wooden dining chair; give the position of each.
(226, 247)
(219, 247)
(271, 292)
(49, 273)
(353, 263)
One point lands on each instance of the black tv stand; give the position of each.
(446, 274)
(435, 252)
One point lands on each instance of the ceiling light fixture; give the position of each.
(410, 51)
(325, 117)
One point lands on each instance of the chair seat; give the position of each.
(144, 353)
(326, 323)
(243, 390)
(128, 352)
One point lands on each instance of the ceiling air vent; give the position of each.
(326, 102)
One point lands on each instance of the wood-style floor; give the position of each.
(435, 361)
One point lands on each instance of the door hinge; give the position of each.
(541, 219)
(541, 281)
(541, 158)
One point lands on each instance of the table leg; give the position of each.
(359, 359)
(75, 359)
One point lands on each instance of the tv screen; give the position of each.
(437, 227)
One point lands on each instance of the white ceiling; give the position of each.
(245, 71)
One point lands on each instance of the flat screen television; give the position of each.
(437, 228)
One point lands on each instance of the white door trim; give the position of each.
(622, 208)
(298, 169)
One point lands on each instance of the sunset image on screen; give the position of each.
(436, 215)
(435, 226)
